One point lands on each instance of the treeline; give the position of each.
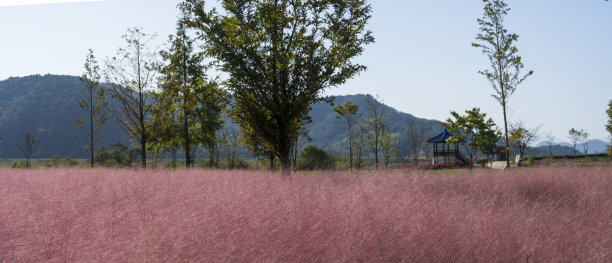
(277, 58)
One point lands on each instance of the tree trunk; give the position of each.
(187, 146)
(143, 154)
(507, 141)
(91, 128)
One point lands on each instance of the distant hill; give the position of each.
(45, 106)
(330, 132)
(594, 146)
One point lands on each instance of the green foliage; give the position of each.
(521, 137)
(131, 74)
(314, 158)
(179, 102)
(46, 106)
(57, 161)
(120, 156)
(609, 125)
(388, 144)
(18, 164)
(280, 56)
(348, 111)
(498, 45)
(94, 103)
(473, 131)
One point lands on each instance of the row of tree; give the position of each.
(278, 56)
(368, 132)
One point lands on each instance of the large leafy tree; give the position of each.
(348, 112)
(279, 56)
(166, 125)
(131, 74)
(94, 104)
(473, 131)
(506, 64)
(179, 86)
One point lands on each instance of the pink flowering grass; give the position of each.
(81, 215)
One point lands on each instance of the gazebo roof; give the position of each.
(442, 137)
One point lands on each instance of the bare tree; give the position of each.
(550, 140)
(584, 139)
(28, 147)
(574, 136)
(375, 126)
(131, 74)
(416, 138)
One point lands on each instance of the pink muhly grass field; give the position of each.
(105, 215)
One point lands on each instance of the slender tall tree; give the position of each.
(94, 104)
(550, 140)
(348, 111)
(131, 74)
(574, 136)
(279, 56)
(179, 82)
(375, 127)
(506, 65)
(28, 147)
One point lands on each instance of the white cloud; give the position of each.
(41, 2)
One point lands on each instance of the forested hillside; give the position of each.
(45, 106)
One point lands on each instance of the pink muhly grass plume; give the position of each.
(111, 215)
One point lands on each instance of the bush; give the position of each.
(610, 151)
(240, 163)
(120, 154)
(57, 161)
(313, 157)
(18, 164)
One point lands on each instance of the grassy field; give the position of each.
(551, 214)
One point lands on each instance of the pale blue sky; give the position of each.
(422, 62)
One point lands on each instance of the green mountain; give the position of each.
(45, 106)
(330, 132)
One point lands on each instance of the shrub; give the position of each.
(314, 158)
(57, 161)
(121, 154)
(241, 163)
(18, 164)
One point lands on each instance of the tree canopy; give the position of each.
(473, 131)
(280, 56)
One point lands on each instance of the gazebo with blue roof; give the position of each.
(446, 152)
